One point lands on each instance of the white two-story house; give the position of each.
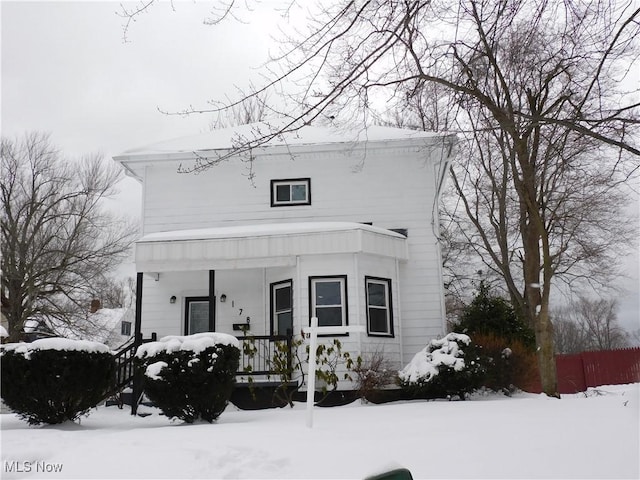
(340, 225)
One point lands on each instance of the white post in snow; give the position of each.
(311, 374)
(312, 334)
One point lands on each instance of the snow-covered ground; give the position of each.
(592, 435)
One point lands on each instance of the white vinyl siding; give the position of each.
(403, 180)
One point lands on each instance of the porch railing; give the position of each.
(124, 364)
(264, 354)
(259, 355)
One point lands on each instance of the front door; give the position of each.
(197, 315)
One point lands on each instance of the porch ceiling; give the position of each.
(267, 245)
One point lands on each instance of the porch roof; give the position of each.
(263, 245)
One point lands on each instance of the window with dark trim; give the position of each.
(125, 328)
(282, 308)
(328, 300)
(379, 306)
(196, 315)
(292, 191)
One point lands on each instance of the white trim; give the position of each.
(297, 302)
(398, 305)
(358, 306)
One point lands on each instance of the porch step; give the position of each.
(126, 398)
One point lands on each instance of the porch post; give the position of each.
(212, 300)
(137, 381)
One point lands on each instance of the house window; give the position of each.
(125, 328)
(282, 308)
(197, 315)
(379, 308)
(329, 300)
(295, 191)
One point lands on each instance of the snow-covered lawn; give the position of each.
(592, 435)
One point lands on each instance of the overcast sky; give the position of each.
(66, 70)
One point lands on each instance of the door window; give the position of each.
(197, 315)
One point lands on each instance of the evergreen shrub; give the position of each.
(509, 364)
(190, 377)
(54, 380)
(444, 368)
(490, 314)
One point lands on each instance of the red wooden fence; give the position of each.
(578, 372)
(590, 369)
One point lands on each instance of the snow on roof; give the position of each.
(30, 325)
(195, 343)
(55, 344)
(242, 231)
(227, 138)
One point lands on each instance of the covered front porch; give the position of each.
(266, 281)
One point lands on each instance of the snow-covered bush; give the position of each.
(445, 367)
(55, 379)
(190, 377)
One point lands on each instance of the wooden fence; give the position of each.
(578, 372)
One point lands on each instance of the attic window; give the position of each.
(294, 191)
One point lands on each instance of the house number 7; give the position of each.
(240, 312)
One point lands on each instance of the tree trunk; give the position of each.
(546, 354)
(536, 305)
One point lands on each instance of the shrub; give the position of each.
(55, 379)
(190, 377)
(373, 372)
(509, 364)
(489, 314)
(330, 358)
(445, 367)
(286, 364)
(283, 361)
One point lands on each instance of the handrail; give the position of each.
(257, 353)
(124, 364)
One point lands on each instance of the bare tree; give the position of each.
(587, 324)
(601, 323)
(569, 337)
(545, 77)
(57, 241)
(114, 292)
(253, 109)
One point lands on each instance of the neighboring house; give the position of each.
(327, 223)
(4, 322)
(110, 326)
